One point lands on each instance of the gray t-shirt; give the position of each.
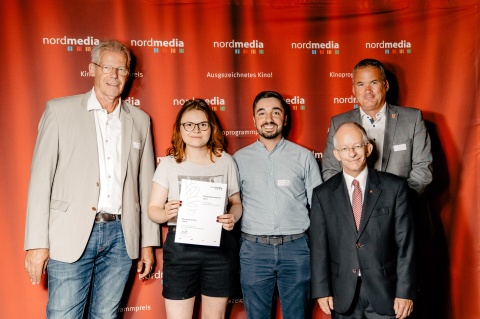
(169, 174)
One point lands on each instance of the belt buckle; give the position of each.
(103, 217)
(275, 237)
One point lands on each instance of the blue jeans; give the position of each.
(287, 265)
(102, 270)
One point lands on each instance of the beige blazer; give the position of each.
(65, 181)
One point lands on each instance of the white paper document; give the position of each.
(202, 202)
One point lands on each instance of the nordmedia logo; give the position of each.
(400, 47)
(296, 103)
(73, 44)
(161, 46)
(134, 101)
(329, 47)
(239, 47)
(345, 100)
(216, 103)
(156, 275)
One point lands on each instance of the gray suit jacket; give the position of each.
(383, 247)
(65, 182)
(406, 148)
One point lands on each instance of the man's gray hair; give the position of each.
(110, 46)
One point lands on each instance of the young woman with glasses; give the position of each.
(197, 153)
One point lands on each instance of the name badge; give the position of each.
(400, 147)
(283, 182)
(136, 145)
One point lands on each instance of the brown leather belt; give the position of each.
(106, 217)
(272, 239)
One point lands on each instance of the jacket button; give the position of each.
(354, 270)
(98, 184)
(94, 209)
(358, 245)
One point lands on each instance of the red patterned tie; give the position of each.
(357, 202)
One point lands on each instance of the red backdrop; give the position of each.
(227, 52)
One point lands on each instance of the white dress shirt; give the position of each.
(376, 132)
(109, 141)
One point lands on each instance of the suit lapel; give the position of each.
(390, 127)
(372, 194)
(127, 128)
(342, 200)
(355, 116)
(90, 136)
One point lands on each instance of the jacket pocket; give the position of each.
(59, 205)
(380, 211)
(390, 268)
(334, 268)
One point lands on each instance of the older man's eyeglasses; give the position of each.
(356, 148)
(189, 126)
(107, 69)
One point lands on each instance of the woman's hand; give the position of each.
(171, 209)
(227, 220)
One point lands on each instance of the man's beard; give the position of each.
(272, 135)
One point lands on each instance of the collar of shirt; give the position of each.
(277, 146)
(361, 178)
(93, 104)
(379, 115)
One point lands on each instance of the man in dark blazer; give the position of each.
(362, 268)
(401, 141)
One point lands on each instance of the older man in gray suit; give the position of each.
(88, 193)
(398, 134)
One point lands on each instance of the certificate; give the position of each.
(202, 202)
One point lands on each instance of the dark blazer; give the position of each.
(406, 147)
(383, 248)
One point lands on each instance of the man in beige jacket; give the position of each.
(88, 193)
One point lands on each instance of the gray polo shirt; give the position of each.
(276, 187)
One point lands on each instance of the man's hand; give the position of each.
(36, 263)
(326, 304)
(403, 307)
(145, 263)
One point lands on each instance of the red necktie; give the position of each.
(357, 202)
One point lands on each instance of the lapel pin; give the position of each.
(393, 116)
(371, 191)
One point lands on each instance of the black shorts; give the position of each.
(190, 270)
